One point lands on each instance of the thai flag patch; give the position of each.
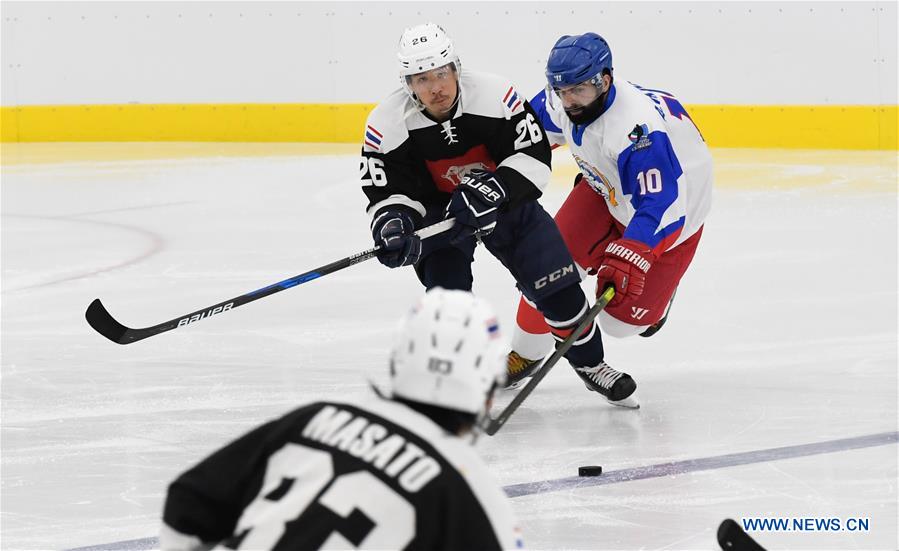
(373, 138)
(512, 100)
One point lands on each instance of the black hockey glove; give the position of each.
(475, 204)
(394, 232)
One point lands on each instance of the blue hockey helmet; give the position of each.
(576, 59)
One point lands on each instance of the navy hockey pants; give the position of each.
(528, 243)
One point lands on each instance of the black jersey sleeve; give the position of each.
(389, 173)
(388, 181)
(207, 500)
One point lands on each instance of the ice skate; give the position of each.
(617, 387)
(519, 369)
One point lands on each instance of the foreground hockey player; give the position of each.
(395, 472)
(641, 198)
(466, 145)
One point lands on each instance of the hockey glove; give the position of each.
(394, 232)
(624, 265)
(475, 204)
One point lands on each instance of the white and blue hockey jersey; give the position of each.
(647, 158)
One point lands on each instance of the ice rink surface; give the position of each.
(783, 334)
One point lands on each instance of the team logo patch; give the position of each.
(448, 173)
(456, 173)
(597, 180)
(639, 136)
(639, 131)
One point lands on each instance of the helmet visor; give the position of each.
(443, 73)
(580, 94)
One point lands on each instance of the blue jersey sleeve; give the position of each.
(649, 172)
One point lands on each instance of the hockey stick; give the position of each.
(103, 322)
(492, 425)
(731, 537)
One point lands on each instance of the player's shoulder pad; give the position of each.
(632, 120)
(385, 128)
(490, 95)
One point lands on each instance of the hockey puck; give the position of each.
(589, 470)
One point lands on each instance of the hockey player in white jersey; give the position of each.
(395, 471)
(636, 213)
(464, 144)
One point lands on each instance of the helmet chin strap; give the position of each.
(455, 101)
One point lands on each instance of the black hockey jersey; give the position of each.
(375, 476)
(409, 159)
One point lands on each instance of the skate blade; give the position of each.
(630, 402)
(518, 384)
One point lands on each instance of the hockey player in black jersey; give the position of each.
(394, 472)
(466, 145)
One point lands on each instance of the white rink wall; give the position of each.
(756, 53)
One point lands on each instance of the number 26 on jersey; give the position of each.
(371, 171)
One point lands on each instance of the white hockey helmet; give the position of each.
(423, 48)
(448, 352)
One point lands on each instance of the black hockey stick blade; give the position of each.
(492, 425)
(102, 321)
(732, 537)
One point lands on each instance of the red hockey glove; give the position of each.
(624, 265)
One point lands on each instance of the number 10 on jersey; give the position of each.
(650, 181)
